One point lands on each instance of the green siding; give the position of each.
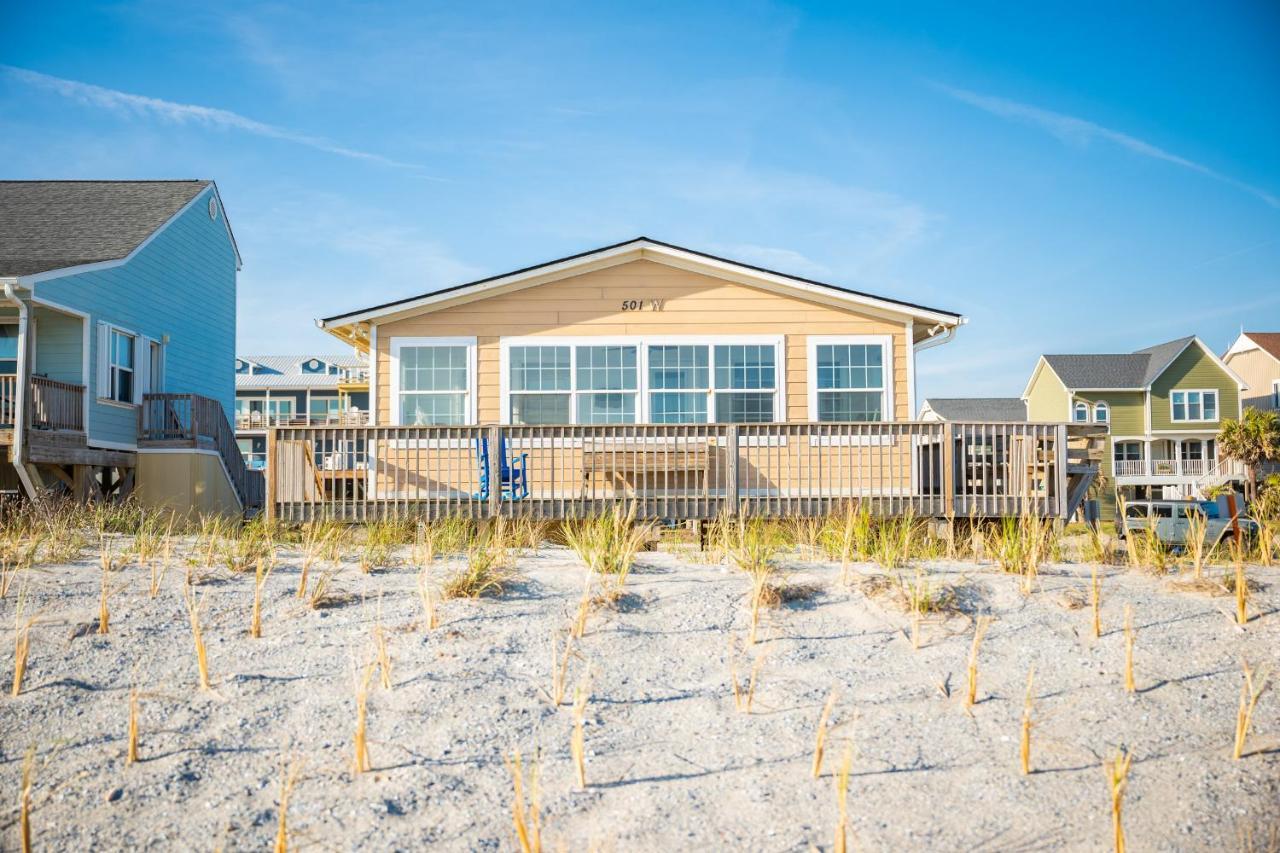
(1047, 399)
(1194, 369)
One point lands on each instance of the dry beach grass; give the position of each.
(651, 750)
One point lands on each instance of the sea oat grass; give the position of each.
(979, 631)
(1117, 772)
(526, 817)
(1250, 692)
(820, 736)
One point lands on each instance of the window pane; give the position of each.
(1179, 410)
(606, 368)
(669, 408)
(745, 366)
(122, 388)
(849, 406)
(1193, 406)
(122, 349)
(1210, 407)
(679, 367)
(433, 369)
(540, 408)
(850, 366)
(607, 408)
(540, 368)
(744, 407)
(9, 341)
(432, 409)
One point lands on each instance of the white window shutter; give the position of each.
(103, 371)
(141, 367)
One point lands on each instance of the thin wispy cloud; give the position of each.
(142, 106)
(1079, 131)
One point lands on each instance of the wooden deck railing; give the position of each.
(693, 471)
(263, 420)
(54, 405)
(190, 420)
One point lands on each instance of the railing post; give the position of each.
(1060, 460)
(269, 475)
(948, 468)
(495, 470)
(731, 489)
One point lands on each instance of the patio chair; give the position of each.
(513, 472)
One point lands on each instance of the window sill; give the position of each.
(117, 404)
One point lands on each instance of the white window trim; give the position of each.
(642, 344)
(137, 372)
(1217, 406)
(469, 399)
(1104, 408)
(886, 345)
(1088, 414)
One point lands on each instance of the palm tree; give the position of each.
(1251, 440)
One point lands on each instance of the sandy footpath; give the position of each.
(670, 763)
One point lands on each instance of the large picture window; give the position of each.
(1193, 406)
(849, 379)
(632, 381)
(431, 381)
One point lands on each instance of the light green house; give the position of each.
(1164, 406)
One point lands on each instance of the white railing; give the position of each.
(263, 420)
(1162, 467)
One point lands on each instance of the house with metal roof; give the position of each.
(296, 390)
(1163, 405)
(109, 382)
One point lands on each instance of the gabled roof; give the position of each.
(622, 252)
(978, 408)
(1115, 371)
(53, 225)
(1135, 371)
(1268, 342)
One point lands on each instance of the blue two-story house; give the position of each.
(117, 336)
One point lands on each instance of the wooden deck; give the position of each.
(687, 471)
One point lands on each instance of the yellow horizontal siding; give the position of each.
(590, 304)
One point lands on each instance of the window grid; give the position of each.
(433, 384)
(850, 381)
(1193, 406)
(121, 366)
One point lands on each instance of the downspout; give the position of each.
(937, 336)
(23, 386)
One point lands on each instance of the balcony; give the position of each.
(1162, 467)
(265, 420)
(54, 405)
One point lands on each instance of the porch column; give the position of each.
(1177, 456)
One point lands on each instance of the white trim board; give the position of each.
(641, 249)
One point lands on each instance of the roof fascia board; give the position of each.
(635, 250)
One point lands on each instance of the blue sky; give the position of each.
(1072, 179)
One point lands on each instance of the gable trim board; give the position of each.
(1236, 348)
(34, 279)
(638, 249)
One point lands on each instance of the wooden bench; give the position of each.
(617, 459)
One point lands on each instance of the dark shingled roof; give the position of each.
(49, 225)
(1116, 370)
(978, 408)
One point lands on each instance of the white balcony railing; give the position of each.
(1162, 467)
(263, 420)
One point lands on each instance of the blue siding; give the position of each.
(59, 346)
(183, 284)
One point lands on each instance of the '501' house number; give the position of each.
(642, 304)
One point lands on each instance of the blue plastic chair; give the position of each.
(514, 473)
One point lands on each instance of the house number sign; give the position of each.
(642, 304)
